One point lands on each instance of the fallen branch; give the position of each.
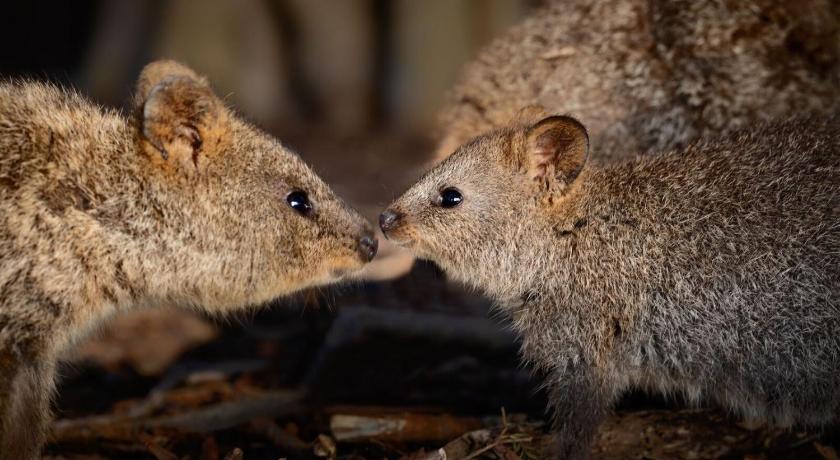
(127, 427)
(231, 413)
(402, 427)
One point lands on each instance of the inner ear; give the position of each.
(558, 147)
(180, 117)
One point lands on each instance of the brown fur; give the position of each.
(712, 272)
(181, 204)
(653, 74)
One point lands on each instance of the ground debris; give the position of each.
(509, 441)
(368, 384)
(208, 407)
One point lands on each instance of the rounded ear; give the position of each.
(558, 147)
(179, 115)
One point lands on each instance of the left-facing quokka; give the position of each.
(180, 204)
(713, 272)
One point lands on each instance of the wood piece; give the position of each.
(404, 427)
(126, 428)
(231, 413)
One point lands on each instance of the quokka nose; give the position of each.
(367, 247)
(389, 220)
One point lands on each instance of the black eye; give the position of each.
(450, 197)
(299, 201)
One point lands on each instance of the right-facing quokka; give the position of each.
(712, 272)
(180, 204)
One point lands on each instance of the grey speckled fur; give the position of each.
(712, 272)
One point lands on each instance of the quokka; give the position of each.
(181, 203)
(712, 271)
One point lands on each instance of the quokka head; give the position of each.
(479, 210)
(243, 218)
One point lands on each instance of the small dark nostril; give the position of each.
(388, 220)
(368, 246)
